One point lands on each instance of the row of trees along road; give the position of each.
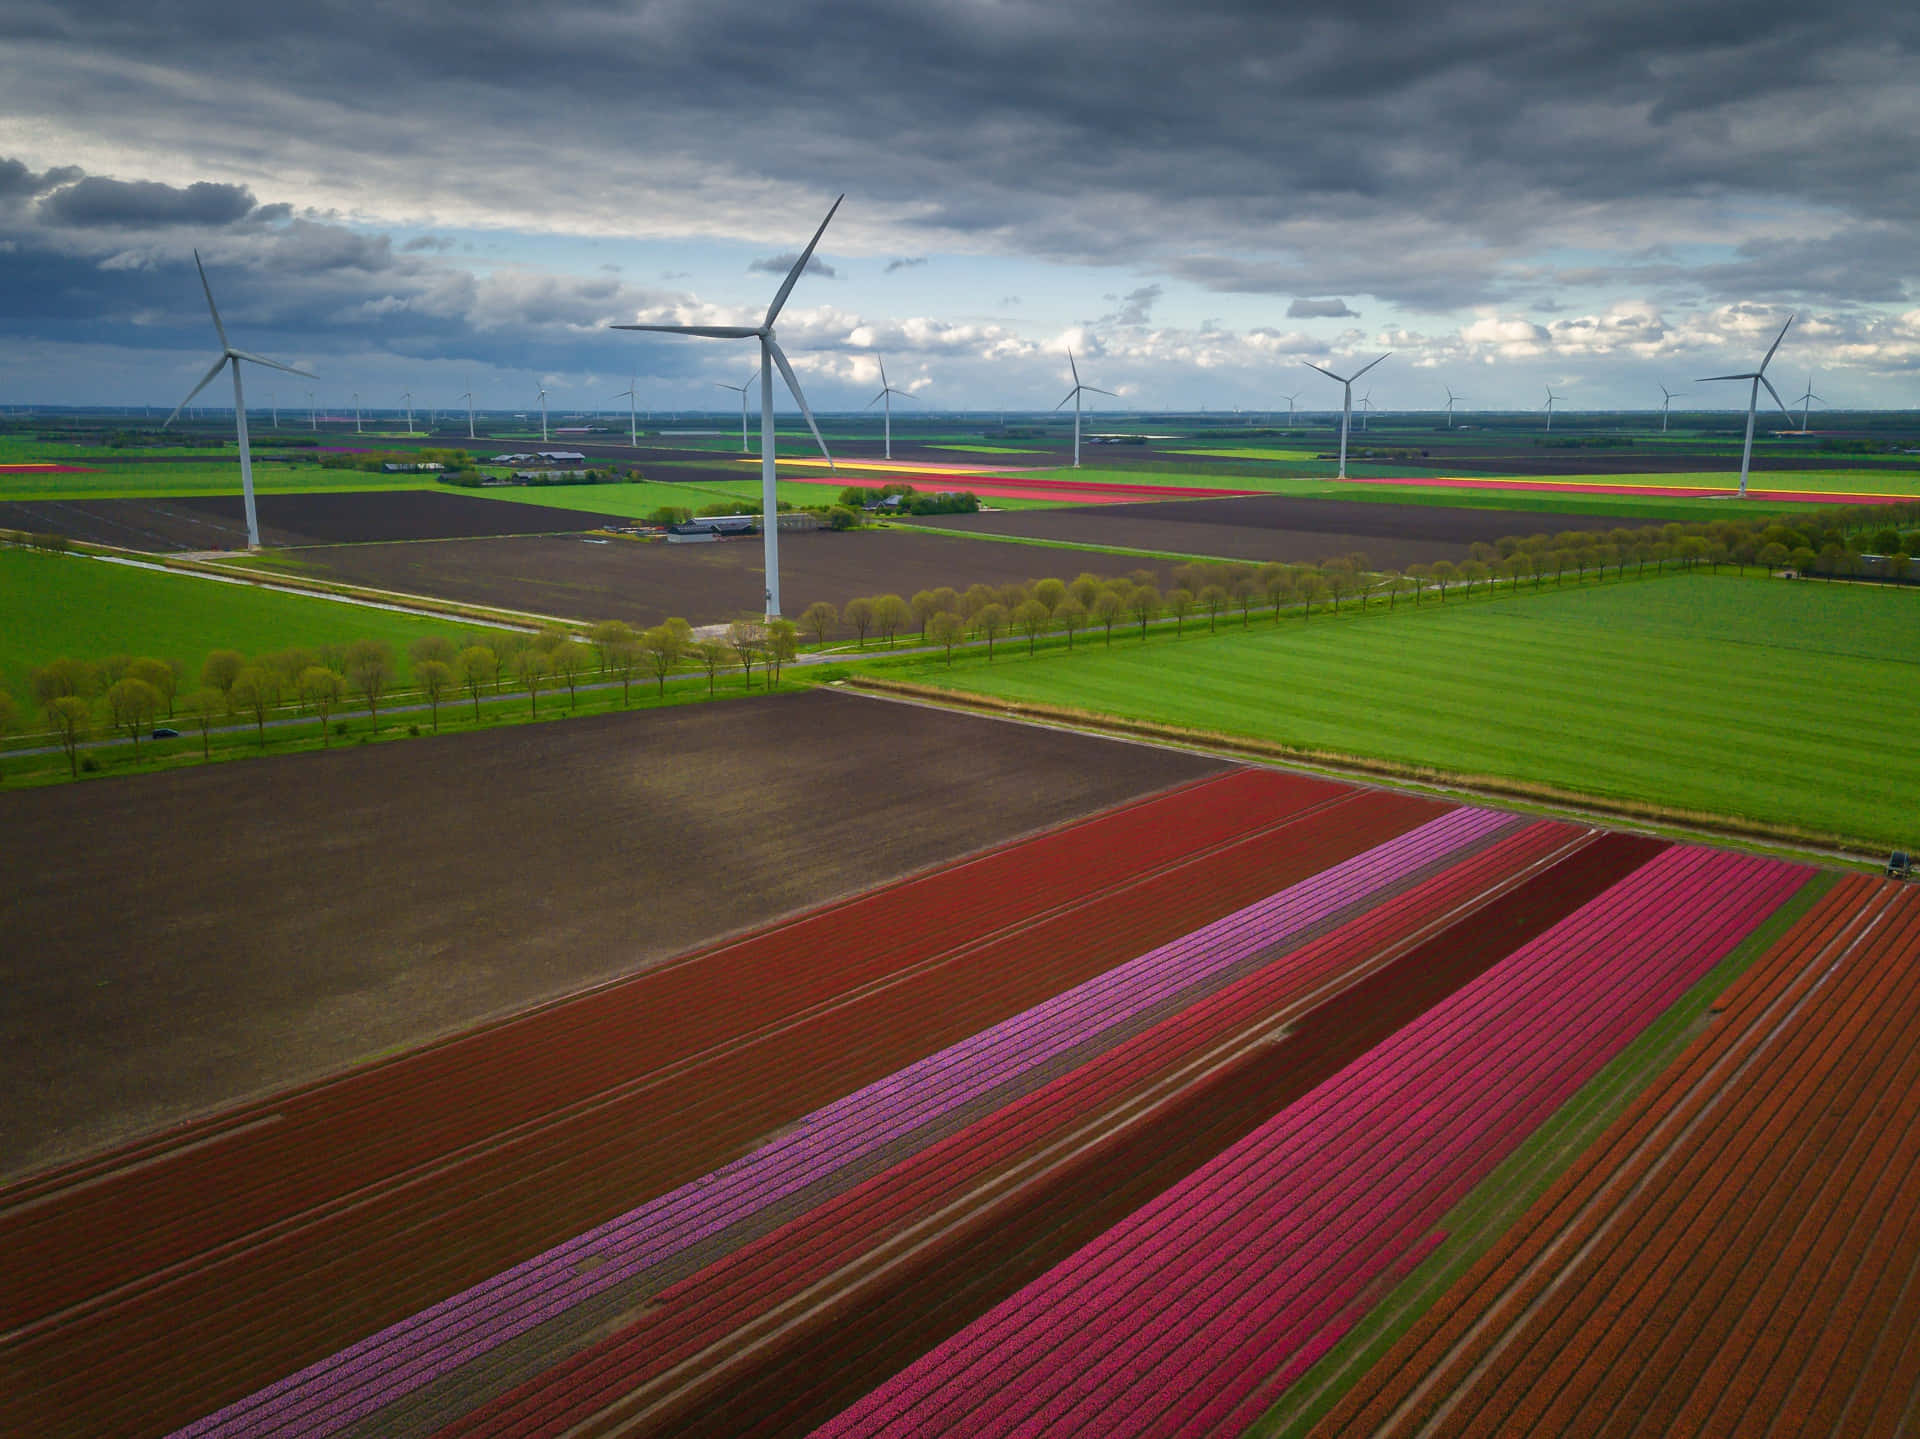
(1213, 591)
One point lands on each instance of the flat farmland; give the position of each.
(205, 934)
(643, 583)
(1277, 527)
(219, 522)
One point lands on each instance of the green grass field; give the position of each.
(55, 605)
(1785, 703)
(211, 477)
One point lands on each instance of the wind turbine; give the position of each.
(1759, 378)
(356, 412)
(543, 414)
(1346, 412)
(771, 355)
(408, 397)
(273, 403)
(632, 396)
(1551, 397)
(1806, 402)
(1366, 409)
(313, 415)
(231, 356)
(1290, 399)
(1666, 404)
(468, 397)
(1074, 395)
(741, 391)
(887, 392)
(1451, 398)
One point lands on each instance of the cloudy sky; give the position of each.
(1195, 197)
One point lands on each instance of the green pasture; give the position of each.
(1253, 453)
(213, 477)
(54, 605)
(1788, 703)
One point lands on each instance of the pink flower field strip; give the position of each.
(1172, 1321)
(354, 1383)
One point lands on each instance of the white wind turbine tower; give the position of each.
(1346, 411)
(741, 391)
(313, 415)
(273, 403)
(1806, 402)
(1074, 395)
(231, 356)
(1759, 378)
(356, 412)
(632, 396)
(887, 392)
(1452, 399)
(468, 397)
(408, 397)
(1290, 399)
(1366, 410)
(771, 355)
(1551, 397)
(543, 415)
(1666, 404)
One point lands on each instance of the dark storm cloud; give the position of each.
(1320, 310)
(780, 264)
(138, 204)
(18, 182)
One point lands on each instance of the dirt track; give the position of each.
(218, 522)
(643, 583)
(1274, 527)
(185, 939)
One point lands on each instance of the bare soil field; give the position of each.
(643, 583)
(186, 939)
(1276, 527)
(218, 522)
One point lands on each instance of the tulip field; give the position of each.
(1116, 1129)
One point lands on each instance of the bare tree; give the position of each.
(991, 620)
(324, 689)
(134, 705)
(1143, 601)
(713, 657)
(1213, 599)
(370, 671)
(1179, 603)
(745, 637)
(783, 645)
(1070, 615)
(256, 689)
(664, 650)
(946, 628)
(436, 679)
(1108, 606)
(532, 666)
(202, 705)
(505, 646)
(569, 660)
(820, 619)
(69, 717)
(477, 667)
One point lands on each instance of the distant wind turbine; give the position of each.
(1451, 399)
(1366, 409)
(468, 397)
(1346, 412)
(1806, 402)
(887, 392)
(1666, 404)
(1759, 378)
(231, 356)
(1290, 399)
(408, 397)
(356, 412)
(1551, 397)
(632, 396)
(543, 414)
(771, 355)
(273, 403)
(313, 415)
(741, 391)
(1074, 395)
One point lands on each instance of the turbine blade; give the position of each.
(205, 380)
(1776, 398)
(1708, 379)
(1075, 368)
(793, 381)
(793, 275)
(1093, 390)
(1328, 373)
(711, 332)
(905, 396)
(1070, 394)
(274, 364)
(1369, 365)
(884, 386)
(876, 399)
(1776, 343)
(218, 328)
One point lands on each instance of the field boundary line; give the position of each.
(1571, 804)
(1663, 1144)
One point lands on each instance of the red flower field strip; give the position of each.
(1383, 1389)
(1670, 1271)
(899, 1193)
(1111, 1263)
(171, 1328)
(1017, 1043)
